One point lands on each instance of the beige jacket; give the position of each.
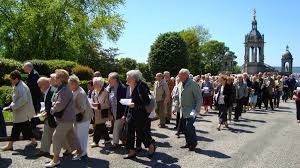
(82, 105)
(161, 91)
(22, 106)
(103, 99)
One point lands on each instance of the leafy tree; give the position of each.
(169, 52)
(144, 68)
(57, 29)
(194, 37)
(212, 52)
(126, 64)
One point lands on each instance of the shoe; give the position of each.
(52, 164)
(162, 126)
(115, 146)
(139, 149)
(67, 153)
(41, 154)
(6, 148)
(130, 156)
(106, 142)
(185, 146)
(94, 145)
(168, 122)
(32, 145)
(193, 147)
(219, 129)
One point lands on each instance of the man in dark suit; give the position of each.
(117, 91)
(50, 124)
(35, 91)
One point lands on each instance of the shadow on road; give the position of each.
(5, 162)
(159, 135)
(159, 160)
(237, 130)
(212, 153)
(204, 139)
(83, 163)
(252, 120)
(244, 125)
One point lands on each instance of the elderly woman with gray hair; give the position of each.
(136, 115)
(84, 114)
(101, 106)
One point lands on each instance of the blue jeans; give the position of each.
(189, 130)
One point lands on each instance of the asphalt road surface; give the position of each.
(262, 139)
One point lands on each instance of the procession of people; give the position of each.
(70, 113)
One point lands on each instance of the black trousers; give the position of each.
(100, 131)
(24, 128)
(298, 109)
(139, 138)
(238, 108)
(222, 113)
(142, 132)
(277, 98)
(268, 99)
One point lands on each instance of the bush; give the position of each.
(84, 84)
(6, 80)
(83, 72)
(61, 64)
(5, 95)
(41, 66)
(7, 66)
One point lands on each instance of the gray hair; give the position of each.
(166, 73)
(113, 75)
(74, 78)
(43, 79)
(28, 64)
(53, 75)
(98, 80)
(185, 71)
(135, 74)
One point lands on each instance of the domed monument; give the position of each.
(287, 62)
(254, 51)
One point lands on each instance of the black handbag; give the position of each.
(61, 113)
(79, 117)
(124, 133)
(51, 121)
(104, 113)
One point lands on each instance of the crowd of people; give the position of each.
(70, 114)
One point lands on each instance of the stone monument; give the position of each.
(287, 62)
(254, 51)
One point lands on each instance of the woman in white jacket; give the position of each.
(22, 110)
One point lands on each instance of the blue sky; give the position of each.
(227, 21)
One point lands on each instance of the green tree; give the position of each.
(144, 68)
(194, 37)
(57, 29)
(169, 52)
(212, 52)
(126, 64)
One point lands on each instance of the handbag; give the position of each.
(104, 113)
(51, 121)
(61, 113)
(124, 133)
(79, 117)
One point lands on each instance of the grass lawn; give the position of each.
(7, 116)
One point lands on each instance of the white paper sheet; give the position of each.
(126, 102)
(42, 107)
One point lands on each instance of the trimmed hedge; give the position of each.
(6, 80)
(5, 95)
(8, 65)
(83, 72)
(47, 67)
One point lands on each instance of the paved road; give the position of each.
(260, 140)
